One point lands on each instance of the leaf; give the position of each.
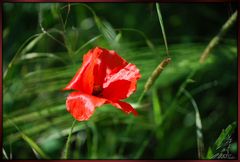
(34, 146)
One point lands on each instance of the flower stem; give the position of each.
(68, 140)
(141, 97)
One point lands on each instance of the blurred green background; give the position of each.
(43, 45)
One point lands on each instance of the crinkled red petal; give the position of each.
(106, 62)
(124, 106)
(120, 84)
(97, 64)
(84, 78)
(82, 106)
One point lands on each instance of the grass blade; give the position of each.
(44, 31)
(35, 55)
(198, 122)
(4, 153)
(35, 147)
(26, 46)
(30, 142)
(162, 27)
(141, 149)
(157, 71)
(156, 107)
(144, 145)
(142, 34)
(87, 43)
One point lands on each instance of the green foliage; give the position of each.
(40, 60)
(156, 108)
(36, 149)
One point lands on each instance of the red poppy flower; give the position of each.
(103, 78)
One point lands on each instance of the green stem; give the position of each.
(144, 145)
(68, 140)
(68, 11)
(61, 19)
(141, 97)
(40, 20)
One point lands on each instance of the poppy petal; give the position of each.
(82, 106)
(126, 107)
(106, 62)
(84, 78)
(122, 83)
(97, 63)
